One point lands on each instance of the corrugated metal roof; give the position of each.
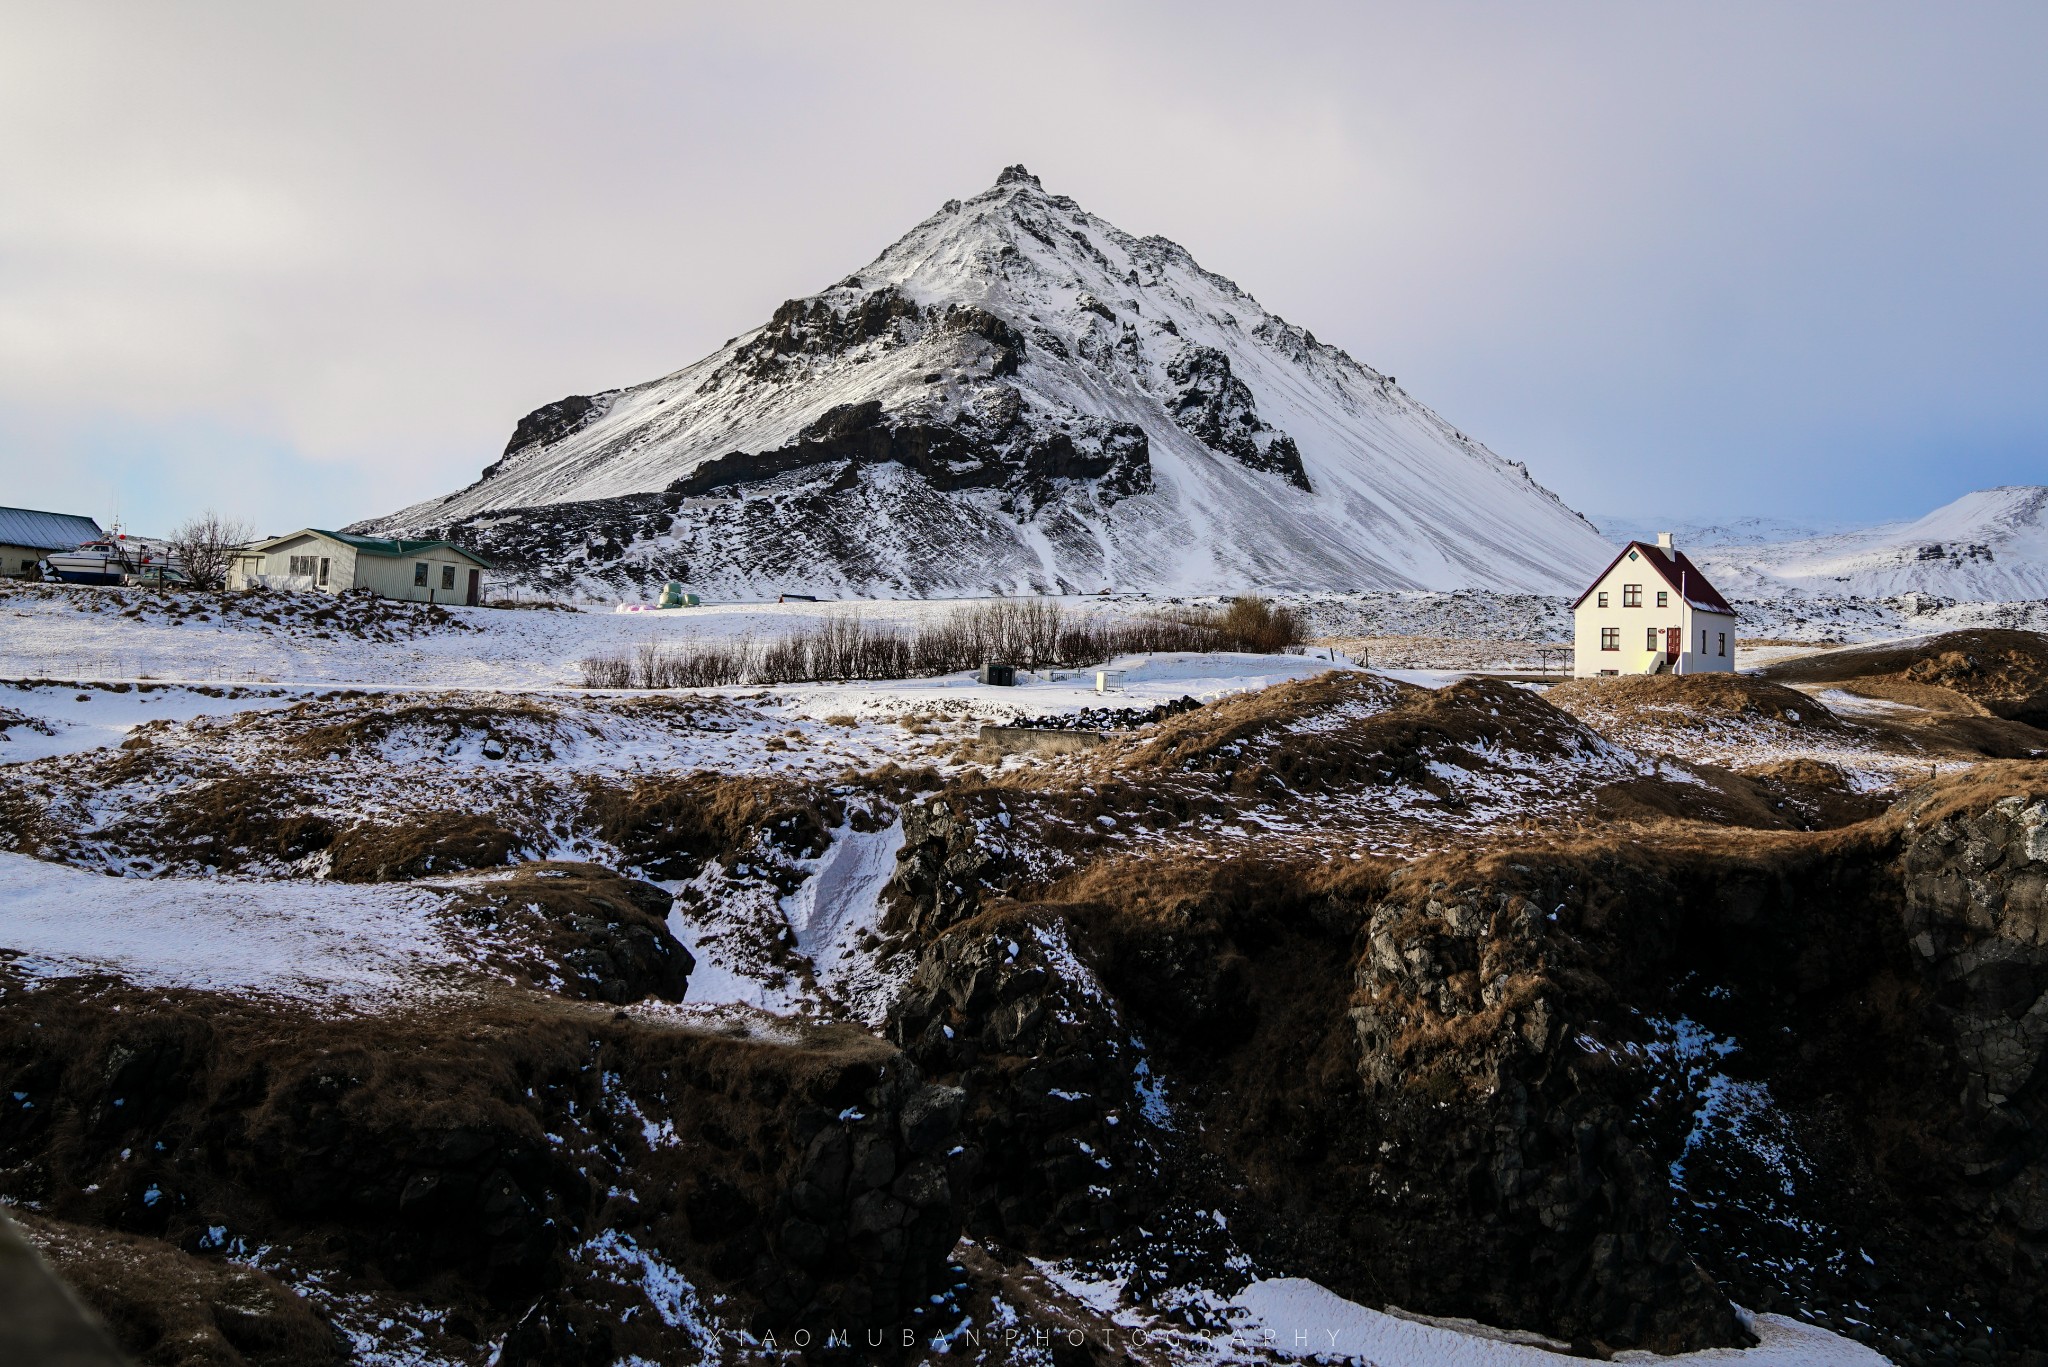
(46, 531)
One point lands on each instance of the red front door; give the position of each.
(475, 583)
(1673, 646)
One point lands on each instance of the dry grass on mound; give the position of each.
(514, 724)
(1991, 672)
(1664, 700)
(170, 1308)
(666, 826)
(1343, 728)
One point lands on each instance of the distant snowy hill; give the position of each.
(1015, 396)
(1620, 528)
(1991, 545)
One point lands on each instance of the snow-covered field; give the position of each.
(125, 634)
(333, 945)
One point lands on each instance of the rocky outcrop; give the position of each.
(1216, 408)
(941, 870)
(987, 447)
(1976, 912)
(578, 929)
(550, 423)
(1603, 1092)
(1059, 1141)
(1516, 1126)
(551, 1176)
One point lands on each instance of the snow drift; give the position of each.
(1015, 396)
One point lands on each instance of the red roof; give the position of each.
(1677, 571)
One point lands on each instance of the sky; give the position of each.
(309, 263)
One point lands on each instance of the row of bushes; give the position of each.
(1033, 633)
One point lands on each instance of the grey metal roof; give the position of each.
(46, 531)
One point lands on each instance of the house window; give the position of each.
(1703, 641)
(1601, 600)
(1609, 673)
(447, 576)
(1631, 595)
(1650, 643)
(1610, 638)
(303, 564)
(323, 571)
(1724, 642)
(1663, 598)
(419, 574)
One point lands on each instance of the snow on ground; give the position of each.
(41, 720)
(74, 634)
(838, 904)
(1295, 1317)
(1148, 680)
(345, 946)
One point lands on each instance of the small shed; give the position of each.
(26, 536)
(332, 562)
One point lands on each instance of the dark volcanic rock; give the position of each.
(515, 1166)
(999, 455)
(550, 423)
(1217, 407)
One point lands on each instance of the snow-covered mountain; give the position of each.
(1991, 545)
(1619, 528)
(1016, 395)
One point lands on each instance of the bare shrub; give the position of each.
(1034, 633)
(206, 546)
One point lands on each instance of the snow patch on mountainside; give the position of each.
(1015, 396)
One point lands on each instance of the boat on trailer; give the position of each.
(116, 558)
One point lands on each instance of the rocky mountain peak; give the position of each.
(1015, 395)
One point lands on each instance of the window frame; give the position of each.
(1723, 643)
(1600, 599)
(1663, 598)
(419, 574)
(1610, 638)
(448, 578)
(1631, 595)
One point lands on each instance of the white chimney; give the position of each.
(1664, 542)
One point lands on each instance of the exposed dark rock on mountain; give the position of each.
(1215, 406)
(550, 423)
(1015, 396)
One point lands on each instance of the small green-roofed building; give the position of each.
(312, 559)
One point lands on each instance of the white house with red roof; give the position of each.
(1652, 612)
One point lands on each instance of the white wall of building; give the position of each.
(447, 575)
